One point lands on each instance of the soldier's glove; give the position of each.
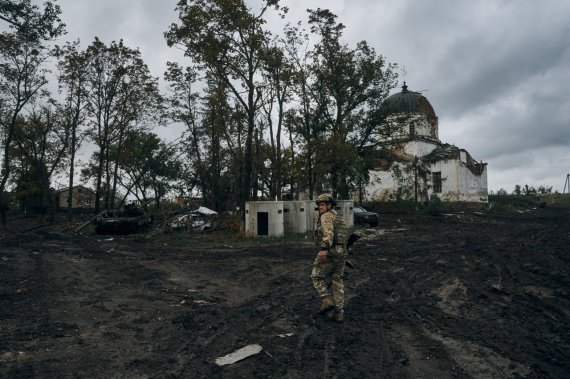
(322, 256)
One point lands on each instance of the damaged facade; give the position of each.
(414, 163)
(82, 198)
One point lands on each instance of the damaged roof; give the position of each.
(447, 151)
(409, 102)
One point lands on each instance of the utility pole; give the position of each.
(566, 185)
(416, 181)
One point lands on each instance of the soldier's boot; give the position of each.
(326, 305)
(339, 315)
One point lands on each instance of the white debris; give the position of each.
(202, 302)
(238, 355)
(285, 335)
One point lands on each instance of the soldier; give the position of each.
(330, 236)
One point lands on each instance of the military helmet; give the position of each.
(325, 198)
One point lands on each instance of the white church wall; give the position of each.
(472, 187)
(419, 148)
(414, 125)
(422, 127)
(382, 186)
(449, 179)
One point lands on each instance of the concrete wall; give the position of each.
(274, 215)
(419, 148)
(312, 215)
(346, 209)
(290, 217)
(422, 127)
(295, 216)
(449, 179)
(458, 183)
(472, 187)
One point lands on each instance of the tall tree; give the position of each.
(31, 23)
(122, 95)
(278, 77)
(350, 85)
(304, 121)
(72, 77)
(205, 120)
(148, 166)
(41, 142)
(227, 39)
(22, 76)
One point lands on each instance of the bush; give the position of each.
(435, 206)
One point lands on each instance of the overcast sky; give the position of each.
(497, 72)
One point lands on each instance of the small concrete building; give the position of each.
(295, 216)
(277, 218)
(264, 218)
(346, 209)
(416, 164)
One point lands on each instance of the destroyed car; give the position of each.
(200, 220)
(365, 217)
(125, 220)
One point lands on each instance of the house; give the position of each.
(82, 198)
(415, 164)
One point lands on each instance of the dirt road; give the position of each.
(469, 295)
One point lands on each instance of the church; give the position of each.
(414, 164)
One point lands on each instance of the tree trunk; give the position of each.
(71, 175)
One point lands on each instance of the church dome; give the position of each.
(409, 102)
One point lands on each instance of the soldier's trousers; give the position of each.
(333, 270)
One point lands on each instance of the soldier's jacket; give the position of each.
(331, 230)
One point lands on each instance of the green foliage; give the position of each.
(30, 22)
(530, 190)
(506, 203)
(349, 85)
(229, 43)
(32, 190)
(148, 166)
(122, 97)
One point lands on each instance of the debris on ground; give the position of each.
(238, 355)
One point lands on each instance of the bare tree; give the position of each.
(72, 77)
(227, 39)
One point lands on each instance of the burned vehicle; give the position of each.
(201, 219)
(125, 220)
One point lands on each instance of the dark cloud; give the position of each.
(496, 72)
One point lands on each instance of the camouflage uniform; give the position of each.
(330, 235)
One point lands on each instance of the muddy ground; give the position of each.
(468, 295)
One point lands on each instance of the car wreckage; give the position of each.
(201, 219)
(127, 219)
